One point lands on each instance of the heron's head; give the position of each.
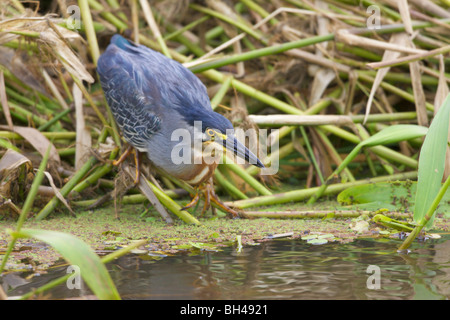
(219, 130)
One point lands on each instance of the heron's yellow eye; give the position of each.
(211, 133)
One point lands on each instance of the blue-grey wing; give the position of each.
(178, 87)
(134, 111)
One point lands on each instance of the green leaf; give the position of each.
(395, 133)
(392, 223)
(317, 241)
(432, 162)
(78, 253)
(391, 134)
(393, 196)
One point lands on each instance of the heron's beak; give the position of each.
(232, 144)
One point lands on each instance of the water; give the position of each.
(280, 269)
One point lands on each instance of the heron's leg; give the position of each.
(123, 156)
(206, 194)
(223, 206)
(137, 161)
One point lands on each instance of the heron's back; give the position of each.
(144, 88)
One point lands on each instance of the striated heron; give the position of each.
(155, 102)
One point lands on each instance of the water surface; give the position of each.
(279, 269)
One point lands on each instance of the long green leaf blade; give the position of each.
(432, 162)
(78, 253)
(395, 133)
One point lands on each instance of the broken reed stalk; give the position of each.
(174, 207)
(260, 10)
(408, 59)
(8, 145)
(215, 101)
(111, 127)
(257, 53)
(311, 154)
(251, 181)
(321, 214)
(55, 119)
(228, 186)
(273, 158)
(178, 36)
(53, 203)
(34, 188)
(239, 24)
(89, 29)
(154, 27)
(108, 16)
(68, 135)
(176, 33)
(98, 173)
(127, 199)
(23, 114)
(301, 195)
(145, 189)
(277, 120)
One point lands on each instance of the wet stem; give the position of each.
(431, 210)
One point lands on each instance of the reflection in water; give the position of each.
(283, 269)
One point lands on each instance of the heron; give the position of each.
(155, 100)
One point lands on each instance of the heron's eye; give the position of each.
(211, 133)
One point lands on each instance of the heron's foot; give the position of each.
(210, 196)
(224, 207)
(194, 201)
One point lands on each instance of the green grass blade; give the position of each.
(432, 162)
(392, 134)
(76, 252)
(395, 133)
